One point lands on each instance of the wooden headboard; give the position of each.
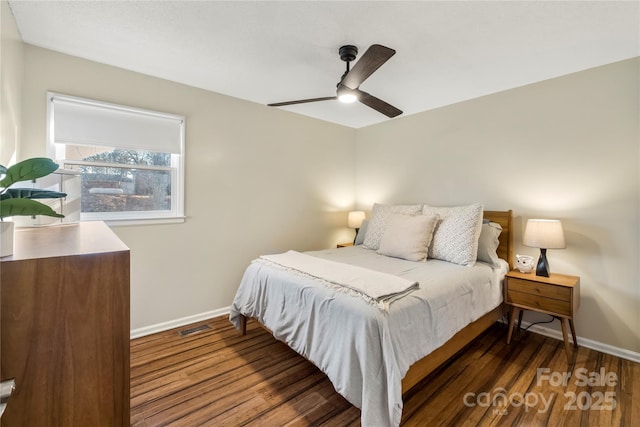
(505, 219)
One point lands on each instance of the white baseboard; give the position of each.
(164, 326)
(551, 333)
(586, 342)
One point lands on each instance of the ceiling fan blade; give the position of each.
(378, 104)
(372, 59)
(302, 101)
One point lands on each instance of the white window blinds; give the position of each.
(80, 121)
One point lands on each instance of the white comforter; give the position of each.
(364, 351)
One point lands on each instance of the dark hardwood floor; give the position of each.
(219, 378)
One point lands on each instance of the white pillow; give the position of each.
(456, 236)
(408, 237)
(378, 221)
(488, 244)
(362, 232)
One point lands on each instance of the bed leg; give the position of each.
(243, 324)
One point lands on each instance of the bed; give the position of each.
(373, 355)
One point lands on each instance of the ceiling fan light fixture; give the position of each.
(346, 95)
(347, 98)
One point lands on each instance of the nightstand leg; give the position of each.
(512, 318)
(573, 333)
(520, 319)
(563, 323)
(243, 324)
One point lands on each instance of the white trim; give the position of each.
(128, 216)
(165, 326)
(586, 342)
(143, 221)
(115, 165)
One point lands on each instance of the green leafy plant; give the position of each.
(21, 201)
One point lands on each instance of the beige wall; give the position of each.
(565, 148)
(259, 180)
(11, 70)
(262, 180)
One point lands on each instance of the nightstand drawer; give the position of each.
(536, 288)
(537, 302)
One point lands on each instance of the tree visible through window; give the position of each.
(117, 188)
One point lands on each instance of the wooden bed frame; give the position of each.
(433, 360)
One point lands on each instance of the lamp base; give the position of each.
(355, 237)
(542, 269)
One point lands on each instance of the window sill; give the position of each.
(145, 221)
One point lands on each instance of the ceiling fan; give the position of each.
(348, 88)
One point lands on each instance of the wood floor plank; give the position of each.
(219, 360)
(548, 390)
(633, 388)
(536, 352)
(278, 390)
(447, 403)
(218, 377)
(208, 391)
(419, 396)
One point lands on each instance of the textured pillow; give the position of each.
(362, 232)
(488, 244)
(456, 236)
(378, 221)
(408, 237)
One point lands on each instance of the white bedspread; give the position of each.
(364, 351)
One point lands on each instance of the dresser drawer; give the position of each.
(536, 302)
(536, 288)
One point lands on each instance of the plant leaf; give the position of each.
(25, 207)
(29, 169)
(31, 193)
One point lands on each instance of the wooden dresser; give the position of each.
(65, 327)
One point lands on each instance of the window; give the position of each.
(130, 161)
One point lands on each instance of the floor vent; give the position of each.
(185, 332)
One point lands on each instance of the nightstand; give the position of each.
(344, 245)
(557, 295)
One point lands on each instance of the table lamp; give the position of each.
(544, 234)
(355, 221)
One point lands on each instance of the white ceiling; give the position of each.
(447, 51)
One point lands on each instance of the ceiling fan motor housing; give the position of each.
(348, 53)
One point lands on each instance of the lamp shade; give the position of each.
(544, 233)
(355, 219)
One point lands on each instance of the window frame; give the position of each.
(176, 169)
